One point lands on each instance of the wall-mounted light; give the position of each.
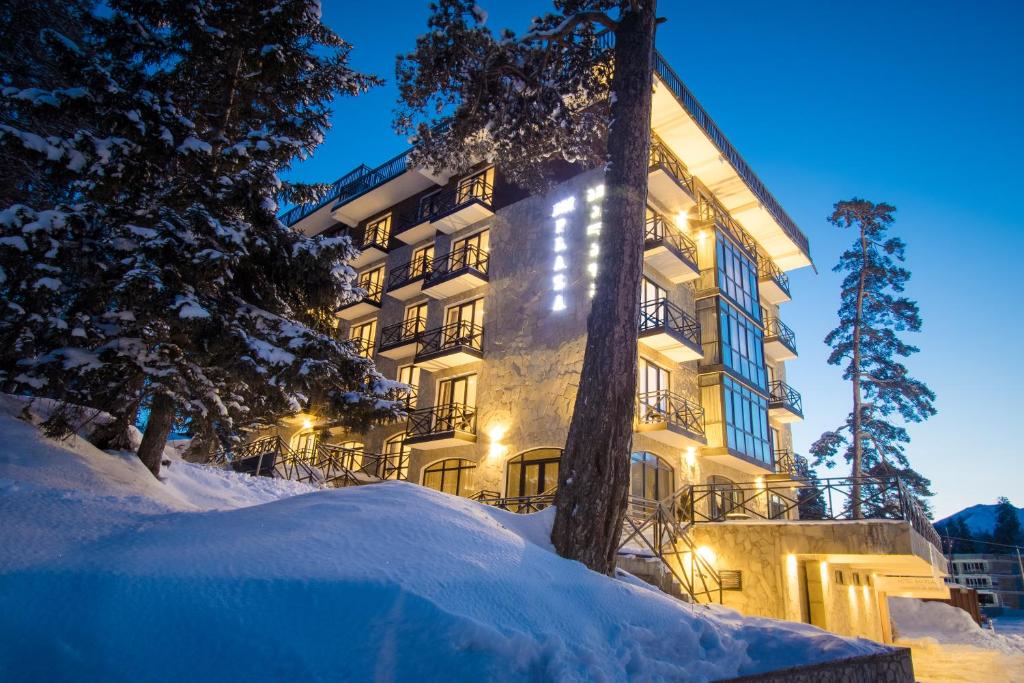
(307, 423)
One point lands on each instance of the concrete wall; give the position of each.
(887, 667)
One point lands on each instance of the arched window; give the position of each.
(454, 476)
(396, 458)
(303, 444)
(724, 498)
(533, 472)
(650, 477)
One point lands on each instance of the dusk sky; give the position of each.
(916, 104)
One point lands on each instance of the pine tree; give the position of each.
(529, 101)
(180, 290)
(1007, 530)
(866, 344)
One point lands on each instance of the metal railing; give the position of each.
(449, 417)
(475, 189)
(362, 346)
(519, 504)
(459, 334)
(410, 271)
(709, 210)
(401, 333)
(789, 463)
(776, 329)
(662, 157)
(662, 314)
(297, 213)
(832, 499)
(767, 270)
(781, 395)
(466, 257)
(657, 230)
(377, 235)
(654, 407)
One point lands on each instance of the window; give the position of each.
(479, 186)
(471, 252)
(737, 276)
(650, 477)
(463, 324)
(776, 506)
(459, 391)
(653, 387)
(838, 574)
(415, 318)
(373, 282)
(421, 261)
(650, 292)
(723, 498)
(352, 455)
(746, 421)
(364, 336)
(533, 473)
(410, 374)
(454, 476)
(396, 462)
(468, 313)
(378, 231)
(304, 444)
(742, 345)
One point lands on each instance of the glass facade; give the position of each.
(737, 276)
(454, 476)
(746, 421)
(742, 345)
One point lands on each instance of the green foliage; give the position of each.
(1007, 530)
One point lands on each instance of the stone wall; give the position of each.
(887, 667)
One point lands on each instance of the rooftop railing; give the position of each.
(781, 395)
(653, 407)
(662, 314)
(297, 213)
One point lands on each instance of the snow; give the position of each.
(948, 645)
(108, 574)
(980, 519)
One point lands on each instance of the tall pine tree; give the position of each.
(170, 281)
(867, 345)
(527, 100)
(1007, 530)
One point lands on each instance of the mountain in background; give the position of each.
(980, 519)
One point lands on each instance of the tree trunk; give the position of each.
(593, 484)
(858, 442)
(161, 419)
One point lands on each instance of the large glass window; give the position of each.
(650, 477)
(479, 185)
(471, 251)
(651, 292)
(304, 443)
(737, 276)
(396, 465)
(373, 282)
(533, 473)
(378, 231)
(410, 374)
(742, 344)
(454, 476)
(421, 260)
(364, 336)
(415, 318)
(746, 421)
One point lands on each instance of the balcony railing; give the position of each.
(373, 289)
(657, 230)
(441, 420)
(377, 235)
(466, 258)
(789, 463)
(459, 335)
(709, 210)
(781, 395)
(363, 347)
(470, 190)
(415, 269)
(405, 332)
(662, 157)
(836, 499)
(776, 329)
(767, 270)
(663, 406)
(662, 314)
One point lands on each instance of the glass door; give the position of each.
(456, 404)
(463, 323)
(471, 252)
(653, 386)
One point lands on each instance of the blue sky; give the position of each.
(916, 104)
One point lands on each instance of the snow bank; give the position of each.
(937, 622)
(107, 576)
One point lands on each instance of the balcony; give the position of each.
(399, 340)
(369, 303)
(669, 184)
(669, 251)
(406, 281)
(668, 329)
(779, 340)
(784, 403)
(449, 211)
(451, 346)
(362, 346)
(444, 426)
(791, 466)
(771, 281)
(670, 419)
(456, 273)
(374, 244)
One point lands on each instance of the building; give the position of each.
(997, 578)
(477, 296)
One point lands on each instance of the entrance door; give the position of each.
(533, 473)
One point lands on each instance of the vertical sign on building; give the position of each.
(559, 278)
(595, 195)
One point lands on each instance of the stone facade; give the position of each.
(886, 667)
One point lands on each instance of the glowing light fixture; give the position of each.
(707, 554)
(307, 423)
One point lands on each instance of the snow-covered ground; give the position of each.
(107, 574)
(948, 646)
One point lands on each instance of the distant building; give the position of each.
(997, 578)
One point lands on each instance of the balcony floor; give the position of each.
(450, 439)
(455, 283)
(455, 357)
(670, 264)
(777, 351)
(399, 351)
(357, 310)
(678, 349)
(784, 415)
(667, 193)
(772, 293)
(671, 435)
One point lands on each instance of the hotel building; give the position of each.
(477, 296)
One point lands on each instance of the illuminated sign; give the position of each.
(561, 247)
(594, 197)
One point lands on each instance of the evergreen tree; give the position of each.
(529, 101)
(1007, 530)
(170, 281)
(866, 344)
